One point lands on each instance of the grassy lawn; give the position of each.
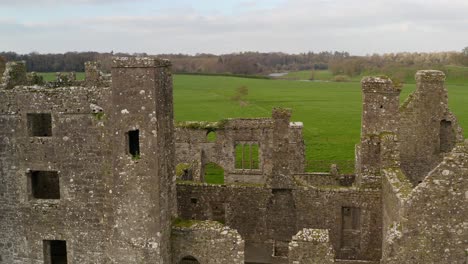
(331, 112)
(323, 75)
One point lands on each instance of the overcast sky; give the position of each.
(225, 26)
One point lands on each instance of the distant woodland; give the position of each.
(253, 63)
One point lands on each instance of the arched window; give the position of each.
(211, 136)
(189, 260)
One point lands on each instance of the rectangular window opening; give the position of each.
(39, 125)
(55, 252)
(247, 156)
(45, 184)
(134, 143)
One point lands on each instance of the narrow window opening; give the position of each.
(44, 184)
(218, 212)
(447, 136)
(134, 143)
(39, 125)
(55, 252)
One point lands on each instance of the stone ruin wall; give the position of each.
(263, 216)
(384, 214)
(86, 148)
(310, 246)
(423, 204)
(193, 147)
(427, 224)
(428, 130)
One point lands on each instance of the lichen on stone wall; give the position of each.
(400, 183)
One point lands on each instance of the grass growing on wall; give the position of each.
(51, 76)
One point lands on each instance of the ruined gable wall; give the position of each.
(77, 150)
(432, 228)
(246, 209)
(193, 147)
(422, 123)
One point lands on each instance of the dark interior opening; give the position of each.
(39, 125)
(218, 212)
(447, 136)
(351, 218)
(45, 185)
(134, 143)
(55, 252)
(189, 260)
(193, 200)
(281, 249)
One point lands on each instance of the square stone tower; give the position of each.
(143, 156)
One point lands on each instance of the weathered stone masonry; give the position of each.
(193, 147)
(112, 207)
(87, 176)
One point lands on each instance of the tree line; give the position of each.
(254, 63)
(235, 63)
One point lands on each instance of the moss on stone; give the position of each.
(403, 185)
(202, 125)
(407, 102)
(179, 222)
(99, 116)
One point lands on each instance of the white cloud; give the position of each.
(293, 26)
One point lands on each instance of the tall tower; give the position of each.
(143, 155)
(379, 114)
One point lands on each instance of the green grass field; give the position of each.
(455, 75)
(330, 111)
(323, 75)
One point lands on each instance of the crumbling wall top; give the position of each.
(281, 113)
(430, 76)
(139, 62)
(15, 74)
(380, 84)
